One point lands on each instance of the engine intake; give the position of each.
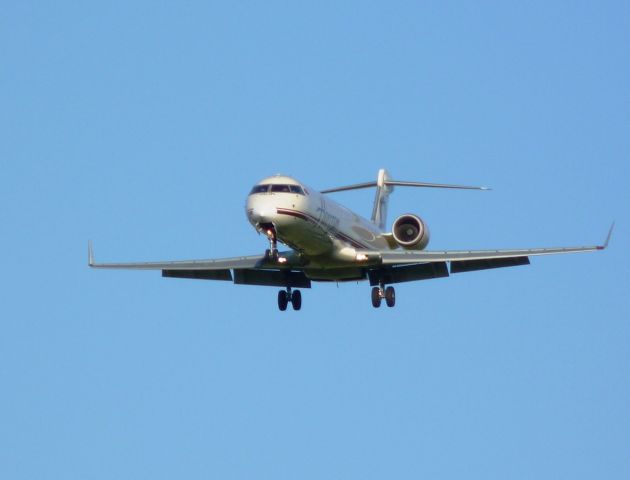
(410, 232)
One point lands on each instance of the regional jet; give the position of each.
(329, 243)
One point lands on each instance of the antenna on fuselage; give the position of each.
(384, 186)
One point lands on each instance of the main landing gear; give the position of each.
(286, 296)
(379, 293)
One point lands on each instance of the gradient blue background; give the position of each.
(143, 125)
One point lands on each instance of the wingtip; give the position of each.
(610, 232)
(90, 254)
(612, 227)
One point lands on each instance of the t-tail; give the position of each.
(381, 199)
(385, 186)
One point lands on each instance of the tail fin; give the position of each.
(381, 199)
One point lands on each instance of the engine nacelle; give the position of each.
(410, 232)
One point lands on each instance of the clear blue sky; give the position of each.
(142, 125)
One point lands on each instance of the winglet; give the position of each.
(90, 254)
(602, 247)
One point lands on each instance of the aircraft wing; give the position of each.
(252, 261)
(247, 270)
(405, 257)
(465, 260)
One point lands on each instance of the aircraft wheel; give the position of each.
(283, 300)
(296, 300)
(390, 296)
(376, 297)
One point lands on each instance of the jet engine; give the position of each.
(410, 232)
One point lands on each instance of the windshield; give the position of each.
(280, 188)
(259, 189)
(277, 188)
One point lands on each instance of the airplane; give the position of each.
(330, 243)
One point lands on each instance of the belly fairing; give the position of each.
(336, 274)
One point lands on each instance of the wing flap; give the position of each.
(408, 273)
(473, 265)
(199, 274)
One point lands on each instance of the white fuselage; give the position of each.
(318, 228)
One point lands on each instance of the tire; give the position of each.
(296, 300)
(283, 300)
(376, 298)
(390, 296)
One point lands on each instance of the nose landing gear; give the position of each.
(379, 293)
(287, 296)
(272, 252)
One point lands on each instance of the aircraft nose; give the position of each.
(260, 215)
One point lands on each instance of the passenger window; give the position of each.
(259, 189)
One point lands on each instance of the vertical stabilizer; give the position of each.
(381, 199)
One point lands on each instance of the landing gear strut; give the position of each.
(379, 293)
(287, 296)
(272, 252)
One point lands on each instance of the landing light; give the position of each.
(282, 260)
(362, 257)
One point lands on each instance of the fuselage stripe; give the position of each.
(292, 213)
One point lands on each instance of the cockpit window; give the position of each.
(287, 189)
(277, 188)
(280, 188)
(259, 189)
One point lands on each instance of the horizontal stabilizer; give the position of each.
(356, 186)
(401, 183)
